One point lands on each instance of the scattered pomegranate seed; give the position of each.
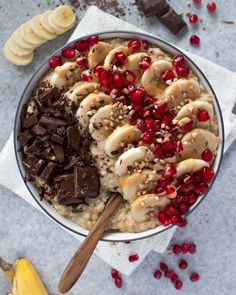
(203, 116)
(192, 248)
(178, 285)
(141, 124)
(163, 266)
(151, 125)
(171, 192)
(171, 210)
(145, 62)
(137, 95)
(182, 71)
(192, 199)
(177, 249)
(145, 113)
(194, 277)
(211, 6)
(174, 278)
(158, 151)
(178, 220)
(117, 80)
(82, 61)
(114, 273)
(187, 126)
(184, 248)
(82, 45)
(168, 75)
(86, 77)
(200, 188)
(184, 188)
(55, 61)
(156, 114)
(197, 1)
(137, 106)
(104, 77)
(157, 274)
(207, 173)
(169, 274)
(207, 155)
(134, 45)
(170, 171)
(147, 138)
(93, 40)
(194, 40)
(178, 61)
(118, 282)
(133, 257)
(127, 242)
(183, 208)
(183, 264)
(162, 107)
(129, 76)
(68, 53)
(163, 218)
(168, 146)
(121, 58)
(183, 223)
(145, 45)
(193, 18)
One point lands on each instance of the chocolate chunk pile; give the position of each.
(55, 152)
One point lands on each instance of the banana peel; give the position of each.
(7, 269)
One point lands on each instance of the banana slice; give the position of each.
(111, 55)
(190, 166)
(44, 20)
(119, 137)
(16, 49)
(133, 61)
(79, 91)
(63, 17)
(90, 105)
(97, 127)
(39, 30)
(28, 34)
(21, 41)
(196, 141)
(16, 59)
(145, 204)
(57, 29)
(97, 53)
(182, 89)
(129, 157)
(151, 78)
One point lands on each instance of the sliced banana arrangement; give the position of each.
(19, 49)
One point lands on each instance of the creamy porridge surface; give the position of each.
(146, 126)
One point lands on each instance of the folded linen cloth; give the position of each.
(116, 254)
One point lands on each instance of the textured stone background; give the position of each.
(26, 232)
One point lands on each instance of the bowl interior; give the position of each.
(52, 213)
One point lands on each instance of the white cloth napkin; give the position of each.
(116, 254)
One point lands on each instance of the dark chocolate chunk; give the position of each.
(48, 171)
(35, 147)
(38, 130)
(158, 7)
(58, 151)
(24, 137)
(45, 153)
(49, 96)
(51, 122)
(173, 21)
(23, 112)
(72, 161)
(34, 164)
(73, 136)
(65, 189)
(86, 182)
(57, 138)
(30, 121)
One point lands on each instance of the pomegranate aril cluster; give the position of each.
(117, 279)
(180, 66)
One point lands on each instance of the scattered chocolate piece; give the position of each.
(73, 160)
(57, 138)
(50, 122)
(30, 121)
(73, 136)
(158, 7)
(24, 137)
(38, 130)
(65, 188)
(34, 164)
(49, 96)
(35, 147)
(229, 22)
(45, 153)
(48, 171)
(58, 151)
(173, 21)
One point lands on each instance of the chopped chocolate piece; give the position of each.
(173, 21)
(34, 164)
(48, 171)
(38, 130)
(49, 96)
(30, 121)
(86, 182)
(57, 138)
(50, 122)
(73, 136)
(151, 7)
(73, 160)
(65, 189)
(24, 137)
(35, 147)
(23, 112)
(58, 151)
(45, 153)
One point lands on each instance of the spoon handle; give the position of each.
(78, 262)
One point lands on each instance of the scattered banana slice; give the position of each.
(28, 34)
(97, 53)
(119, 137)
(151, 78)
(196, 141)
(39, 30)
(129, 157)
(16, 49)
(110, 56)
(44, 19)
(97, 127)
(90, 105)
(21, 41)
(143, 205)
(133, 61)
(189, 166)
(182, 89)
(80, 90)
(16, 59)
(63, 17)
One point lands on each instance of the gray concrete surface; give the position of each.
(26, 232)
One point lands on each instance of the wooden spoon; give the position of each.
(78, 262)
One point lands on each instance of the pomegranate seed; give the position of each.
(145, 62)
(178, 285)
(207, 173)
(182, 71)
(183, 264)
(158, 151)
(203, 116)
(168, 146)
(145, 45)
(171, 210)
(184, 188)
(194, 277)
(187, 126)
(82, 45)
(169, 274)
(170, 171)
(133, 118)
(163, 218)
(193, 18)
(104, 77)
(151, 101)
(86, 77)
(181, 199)
(179, 147)
(197, 1)
(151, 125)
(144, 113)
(183, 223)
(171, 191)
(183, 208)
(127, 242)
(174, 278)
(178, 220)
(157, 274)
(211, 6)
(194, 40)
(207, 155)
(130, 77)
(178, 61)
(184, 248)
(192, 248)
(200, 188)
(163, 267)
(156, 114)
(147, 138)
(93, 40)
(137, 106)
(68, 53)
(192, 199)
(114, 273)
(162, 108)
(55, 61)
(137, 95)
(118, 282)
(117, 80)
(168, 75)
(121, 58)
(134, 45)
(176, 249)
(141, 124)
(133, 257)
(81, 61)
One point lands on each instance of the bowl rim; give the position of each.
(142, 35)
